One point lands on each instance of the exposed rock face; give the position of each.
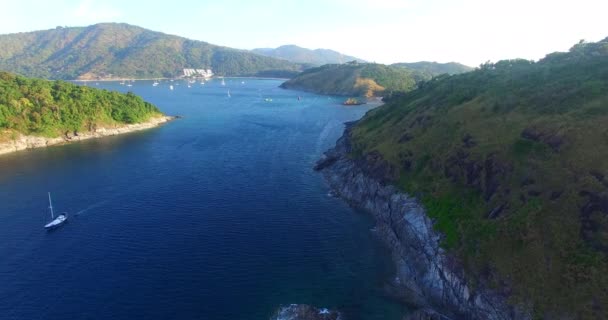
(23, 142)
(426, 314)
(305, 312)
(427, 277)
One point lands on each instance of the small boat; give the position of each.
(223, 82)
(155, 83)
(229, 94)
(55, 222)
(171, 87)
(268, 100)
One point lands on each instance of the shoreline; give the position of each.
(427, 277)
(177, 79)
(26, 142)
(374, 101)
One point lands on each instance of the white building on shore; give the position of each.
(198, 73)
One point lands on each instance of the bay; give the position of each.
(217, 215)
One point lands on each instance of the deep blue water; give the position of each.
(214, 216)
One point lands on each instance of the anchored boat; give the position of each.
(55, 222)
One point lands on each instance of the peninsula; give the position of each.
(38, 113)
(366, 80)
(490, 187)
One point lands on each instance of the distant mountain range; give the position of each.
(305, 56)
(118, 50)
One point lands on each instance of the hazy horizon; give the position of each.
(383, 31)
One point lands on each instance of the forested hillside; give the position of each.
(429, 69)
(510, 161)
(118, 50)
(369, 79)
(52, 108)
(354, 79)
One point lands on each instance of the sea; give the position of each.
(216, 215)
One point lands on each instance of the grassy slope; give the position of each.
(353, 79)
(510, 160)
(52, 108)
(122, 50)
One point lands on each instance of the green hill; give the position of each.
(305, 56)
(430, 69)
(511, 162)
(124, 51)
(354, 79)
(52, 108)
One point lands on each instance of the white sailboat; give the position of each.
(171, 87)
(223, 82)
(229, 94)
(55, 222)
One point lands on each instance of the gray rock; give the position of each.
(426, 314)
(305, 312)
(427, 277)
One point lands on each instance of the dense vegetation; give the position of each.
(121, 50)
(52, 108)
(354, 79)
(308, 57)
(510, 161)
(369, 79)
(427, 70)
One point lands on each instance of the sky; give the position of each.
(384, 31)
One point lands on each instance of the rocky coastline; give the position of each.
(427, 277)
(305, 312)
(23, 142)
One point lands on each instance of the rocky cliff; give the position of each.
(427, 276)
(22, 142)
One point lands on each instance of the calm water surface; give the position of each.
(214, 216)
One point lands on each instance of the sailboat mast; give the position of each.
(51, 207)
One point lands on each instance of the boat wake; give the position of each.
(93, 206)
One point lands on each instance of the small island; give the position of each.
(38, 113)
